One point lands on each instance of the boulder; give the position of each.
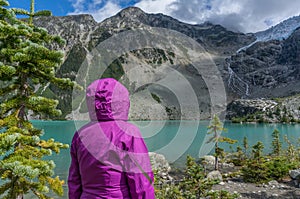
(160, 165)
(209, 160)
(215, 175)
(294, 174)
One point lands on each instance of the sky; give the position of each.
(237, 15)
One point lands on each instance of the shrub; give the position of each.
(263, 170)
(193, 185)
(277, 111)
(222, 194)
(279, 167)
(255, 171)
(239, 157)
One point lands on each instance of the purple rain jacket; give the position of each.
(109, 158)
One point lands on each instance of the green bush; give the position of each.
(255, 171)
(238, 119)
(222, 194)
(264, 170)
(238, 158)
(279, 167)
(277, 111)
(193, 185)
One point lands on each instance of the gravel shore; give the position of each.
(283, 190)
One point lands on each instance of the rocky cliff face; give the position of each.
(269, 69)
(265, 69)
(76, 30)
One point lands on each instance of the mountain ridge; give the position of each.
(83, 33)
(280, 31)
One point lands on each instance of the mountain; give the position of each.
(265, 69)
(149, 100)
(214, 38)
(280, 31)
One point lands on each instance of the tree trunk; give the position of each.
(216, 163)
(216, 157)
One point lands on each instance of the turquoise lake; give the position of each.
(174, 139)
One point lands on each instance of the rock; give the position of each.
(265, 110)
(294, 174)
(226, 165)
(273, 183)
(209, 160)
(282, 186)
(243, 107)
(266, 69)
(222, 183)
(160, 164)
(215, 175)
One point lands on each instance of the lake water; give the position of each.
(174, 139)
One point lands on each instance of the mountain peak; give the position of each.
(131, 12)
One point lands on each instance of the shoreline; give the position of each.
(156, 120)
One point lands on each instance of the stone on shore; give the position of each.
(160, 165)
(215, 175)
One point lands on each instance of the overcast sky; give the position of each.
(238, 15)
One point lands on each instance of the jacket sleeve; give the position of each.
(74, 179)
(138, 171)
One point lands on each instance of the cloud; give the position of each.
(100, 9)
(106, 11)
(157, 6)
(77, 5)
(237, 15)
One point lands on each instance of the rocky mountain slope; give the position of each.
(266, 69)
(280, 31)
(214, 38)
(270, 69)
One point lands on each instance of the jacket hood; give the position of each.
(107, 99)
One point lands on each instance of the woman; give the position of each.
(109, 158)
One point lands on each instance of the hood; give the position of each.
(107, 99)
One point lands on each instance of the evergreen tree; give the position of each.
(25, 63)
(245, 145)
(240, 156)
(257, 150)
(276, 144)
(31, 14)
(216, 128)
(291, 152)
